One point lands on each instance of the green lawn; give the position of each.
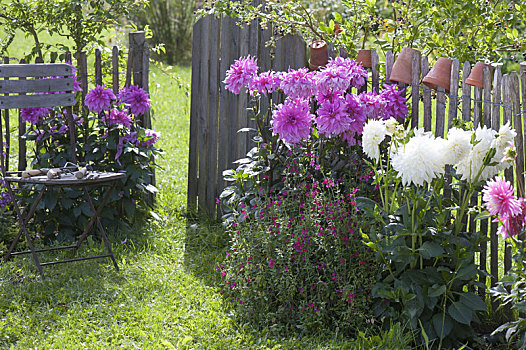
(165, 296)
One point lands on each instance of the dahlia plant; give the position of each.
(420, 234)
(108, 139)
(318, 113)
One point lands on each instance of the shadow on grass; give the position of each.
(206, 243)
(19, 275)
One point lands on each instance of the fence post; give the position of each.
(138, 67)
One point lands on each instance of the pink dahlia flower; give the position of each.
(356, 113)
(99, 99)
(291, 121)
(136, 98)
(34, 115)
(512, 225)
(499, 198)
(152, 137)
(395, 103)
(241, 74)
(373, 104)
(332, 117)
(265, 83)
(118, 117)
(298, 83)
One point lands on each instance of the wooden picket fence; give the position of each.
(216, 114)
(108, 73)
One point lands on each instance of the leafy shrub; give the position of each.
(171, 22)
(450, 28)
(299, 260)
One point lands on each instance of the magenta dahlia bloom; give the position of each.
(348, 69)
(499, 198)
(395, 103)
(118, 117)
(136, 99)
(241, 74)
(333, 79)
(322, 96)
(356, 113)
(291, 121)
(99, 99)
(265, 83)
(298, 83)
(332, 117)
(34, 115)
(373, 104)
(152, 137)
(512, 225)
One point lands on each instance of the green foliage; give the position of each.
(171, 23)
(509, 291)
(83, 21)
(467, 30)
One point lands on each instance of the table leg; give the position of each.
(23, 227)
(96, 214)
(99, 224)
(26, 219)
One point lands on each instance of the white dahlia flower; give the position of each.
(374, 133)
(420, 160)
(458, 145)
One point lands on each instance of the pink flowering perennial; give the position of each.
(501, 202)
(298, 83)
(241, 74)
(99, 99)
(292, 121)
(136, 99)
(499, 198)
(332, 117)
(118, 117)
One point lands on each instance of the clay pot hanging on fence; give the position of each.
(319, 54)
(364, 58)
(476, 78)
(439, 75)
(402, 68)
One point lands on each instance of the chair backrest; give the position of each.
(36, 85)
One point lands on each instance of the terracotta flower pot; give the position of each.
(476, 78)
(364, 57)
(439, 75)
(319, 54)
(402, 68)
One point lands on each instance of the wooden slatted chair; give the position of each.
(23, 86)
